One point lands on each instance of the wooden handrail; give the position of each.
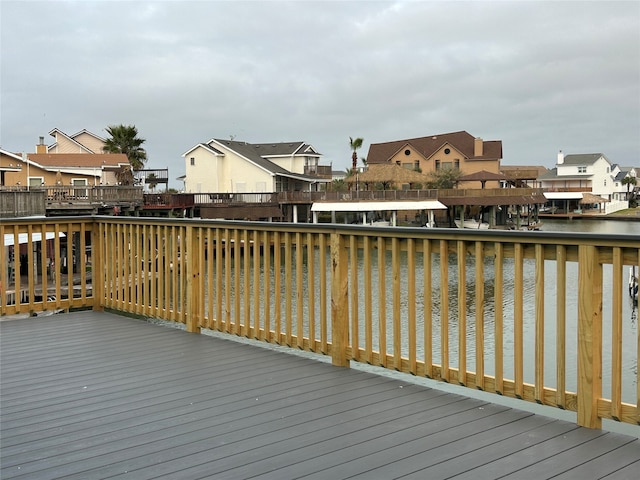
(420, 301)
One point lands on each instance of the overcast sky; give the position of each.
(540, 76)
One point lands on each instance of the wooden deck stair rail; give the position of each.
(536, 316)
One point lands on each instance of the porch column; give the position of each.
(295, 214)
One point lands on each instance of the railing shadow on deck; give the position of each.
(547, 311)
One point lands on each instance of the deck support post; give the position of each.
(339, 301)
(589, 336)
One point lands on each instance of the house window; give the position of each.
(36, 181)
(582, 169)
(605, 182)
(447, 165)
(456, 163)
(407, 152)
(437, 164)
(193, 160)
(416, 165)
(408, 166)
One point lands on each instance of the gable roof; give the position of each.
(257, 152)
(57, 131)
(583, 159)
(427, 146)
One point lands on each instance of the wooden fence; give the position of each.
(532, 315)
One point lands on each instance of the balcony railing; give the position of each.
(539, 317)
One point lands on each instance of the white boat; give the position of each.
(381, 223)
(472, 224)
(633, 283)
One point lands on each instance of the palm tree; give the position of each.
(124, 139)
(628, 181)
(355, 144)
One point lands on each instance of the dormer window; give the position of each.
(582, 169)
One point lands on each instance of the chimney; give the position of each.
(560, 158)
(41, 147)
(477, 147)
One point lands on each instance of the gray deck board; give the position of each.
(95, 395)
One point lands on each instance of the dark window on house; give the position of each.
(447, 151)
(437, 164)
(407, 152)
(456, 163)
(193, 160)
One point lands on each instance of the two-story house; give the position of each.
(71, 176)
(458, 150)
(61, 166)
(231, 166)
(584, 179)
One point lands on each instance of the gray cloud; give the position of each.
(540, 76)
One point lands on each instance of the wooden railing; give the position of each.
(536, 316)
(92, 195)
(54, 274)
(21, 203)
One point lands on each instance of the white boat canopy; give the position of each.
(9, 238)
(377, 206)
(372, 206)
(563, 195)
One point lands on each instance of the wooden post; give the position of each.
(193, 272)
(589, 336)
(98, 239)
(339, 301)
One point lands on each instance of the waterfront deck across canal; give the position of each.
(96, 395)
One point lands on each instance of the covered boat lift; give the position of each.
(377, 206)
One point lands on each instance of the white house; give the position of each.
(583, 177)
(231, 166)
(624, 190)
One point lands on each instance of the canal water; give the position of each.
(629, 315)
(630, 312)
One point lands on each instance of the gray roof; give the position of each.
(583, 158)
(256, 153)
(620, 176)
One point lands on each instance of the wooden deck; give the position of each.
(90, 395)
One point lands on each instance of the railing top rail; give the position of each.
(505, 236)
